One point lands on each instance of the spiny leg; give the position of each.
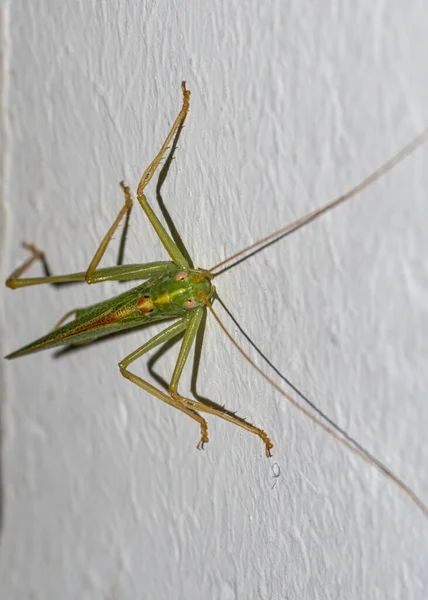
(90, 276)
(165, 335)
(118, 273)
(36, 254)
(149, 172)
(166, 240)
(151, 389)
(223, 413)
(186, 405)
(227, 415)
(108, 236)
(16, 281)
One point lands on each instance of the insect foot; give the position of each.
(36, 254)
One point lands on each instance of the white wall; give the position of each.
(105, 495)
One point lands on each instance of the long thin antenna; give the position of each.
(375, 463)
(302, 396)
(387, 166)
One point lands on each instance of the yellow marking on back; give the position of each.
(164, 299)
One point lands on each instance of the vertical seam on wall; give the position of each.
(5, 136)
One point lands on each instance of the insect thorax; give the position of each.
(175, 293)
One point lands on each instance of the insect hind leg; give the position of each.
(149, 172)
(68, 314)
(169, 244)
(126, 208)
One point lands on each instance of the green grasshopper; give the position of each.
(173, 290)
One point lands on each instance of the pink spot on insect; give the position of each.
(181, 276)
(190, 303)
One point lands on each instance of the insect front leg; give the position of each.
(211, 408)
(160, 338)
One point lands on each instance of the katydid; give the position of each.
(175, 290)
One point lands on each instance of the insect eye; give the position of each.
(190, 303)
(181, 276)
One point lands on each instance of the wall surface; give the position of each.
(293, 102)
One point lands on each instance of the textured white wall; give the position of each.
(105, 495)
